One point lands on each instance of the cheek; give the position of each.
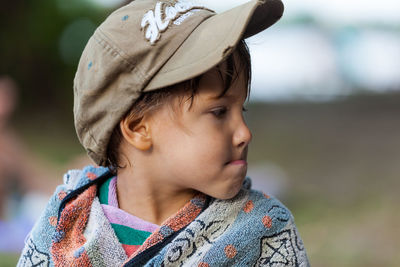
(195, 150)
(201, 143)
(208, 151)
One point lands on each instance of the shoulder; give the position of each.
(74, 179)
(259, 207)
(280, 240)
(39, 240)
(253, 228)
(269, 205)
(266, 213)
(273, 225)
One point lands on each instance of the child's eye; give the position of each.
(219, 112)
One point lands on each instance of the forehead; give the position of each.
(213, 83)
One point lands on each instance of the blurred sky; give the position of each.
(323, 49)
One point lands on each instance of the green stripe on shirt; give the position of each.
(130, 236)
(103, 192)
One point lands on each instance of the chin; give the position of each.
(231, 193)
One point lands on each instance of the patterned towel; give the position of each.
(251, 229)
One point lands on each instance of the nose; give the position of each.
(242, 135)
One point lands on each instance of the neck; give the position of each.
(143, 196)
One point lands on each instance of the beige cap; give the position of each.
(148, 45)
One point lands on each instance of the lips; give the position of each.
(239, 159)
(238, 162)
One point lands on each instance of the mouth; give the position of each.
(238, 162)
(240, 159)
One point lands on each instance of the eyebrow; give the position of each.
(227, 96)
(215, 97)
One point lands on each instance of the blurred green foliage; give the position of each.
(31, 35)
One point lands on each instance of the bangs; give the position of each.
(238, 63)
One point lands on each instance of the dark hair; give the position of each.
(151, 101)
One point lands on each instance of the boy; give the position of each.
(159, 96)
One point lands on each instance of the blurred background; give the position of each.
(324, 112)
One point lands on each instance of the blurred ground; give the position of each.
(339, 162)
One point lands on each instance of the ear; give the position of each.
(136, 134)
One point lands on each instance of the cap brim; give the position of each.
(214, 39)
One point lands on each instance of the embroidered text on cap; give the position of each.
(157, 21)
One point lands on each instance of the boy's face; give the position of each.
(205, 147)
